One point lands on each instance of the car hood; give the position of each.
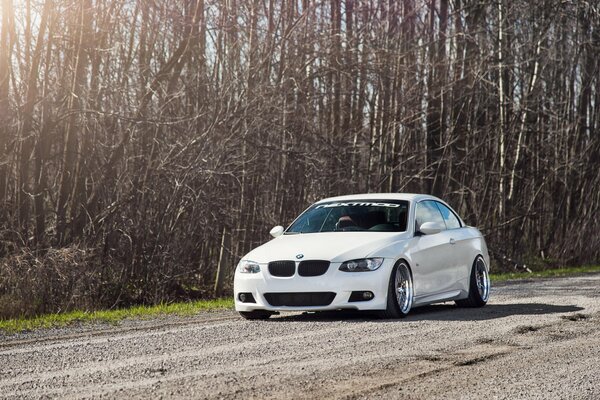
(333, 246)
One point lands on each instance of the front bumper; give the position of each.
(336, 281)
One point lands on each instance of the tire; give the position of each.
(400, 292)
(256, 314)
(479, 285)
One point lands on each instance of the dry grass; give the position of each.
(56, 280)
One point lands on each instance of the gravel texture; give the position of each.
(535, 340)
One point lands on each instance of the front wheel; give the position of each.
(479, 285)
(400, 292)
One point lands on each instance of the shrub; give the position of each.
(55, 280)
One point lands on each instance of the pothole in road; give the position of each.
(527, 328)
(576, 317)
(478, 360)
(430, 357)
(481, 353)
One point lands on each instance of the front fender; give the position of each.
(396, 250)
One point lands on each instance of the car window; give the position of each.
(427, 211)
(452, 222)
(375, 216)
(311, 221)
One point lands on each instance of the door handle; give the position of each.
(452, 241)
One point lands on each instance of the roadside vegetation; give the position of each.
(113, 316)
(548, 273)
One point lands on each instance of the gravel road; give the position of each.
(538, 339)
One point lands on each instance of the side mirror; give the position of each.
(277, 231)
(431, 228)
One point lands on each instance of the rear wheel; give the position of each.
(400, 292)
(479, 285)
(256, 314)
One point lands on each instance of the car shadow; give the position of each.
(447, 312)
(339, 315)
(438, 312)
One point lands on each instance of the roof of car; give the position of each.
(380, 196)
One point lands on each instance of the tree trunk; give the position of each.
(27, 133)
(436, 104)
(72, 155)
(6, 46)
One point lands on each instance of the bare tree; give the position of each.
(165, 138)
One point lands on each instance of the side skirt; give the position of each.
(440, 297)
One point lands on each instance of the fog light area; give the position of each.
(246, 297)
(361, 296)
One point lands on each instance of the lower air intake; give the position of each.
(300, 299)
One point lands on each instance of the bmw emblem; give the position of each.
(299, 256)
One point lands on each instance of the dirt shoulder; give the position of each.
(538, 339)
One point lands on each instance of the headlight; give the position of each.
(364, 264)
(248, 267)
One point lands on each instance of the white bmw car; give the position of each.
(383, 252)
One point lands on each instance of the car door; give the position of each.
(432, 255)
(460, 239)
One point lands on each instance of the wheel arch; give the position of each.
(485, 261)
(405, 260)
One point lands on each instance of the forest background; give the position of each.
(146, 144)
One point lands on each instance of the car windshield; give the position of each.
(358, 215)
